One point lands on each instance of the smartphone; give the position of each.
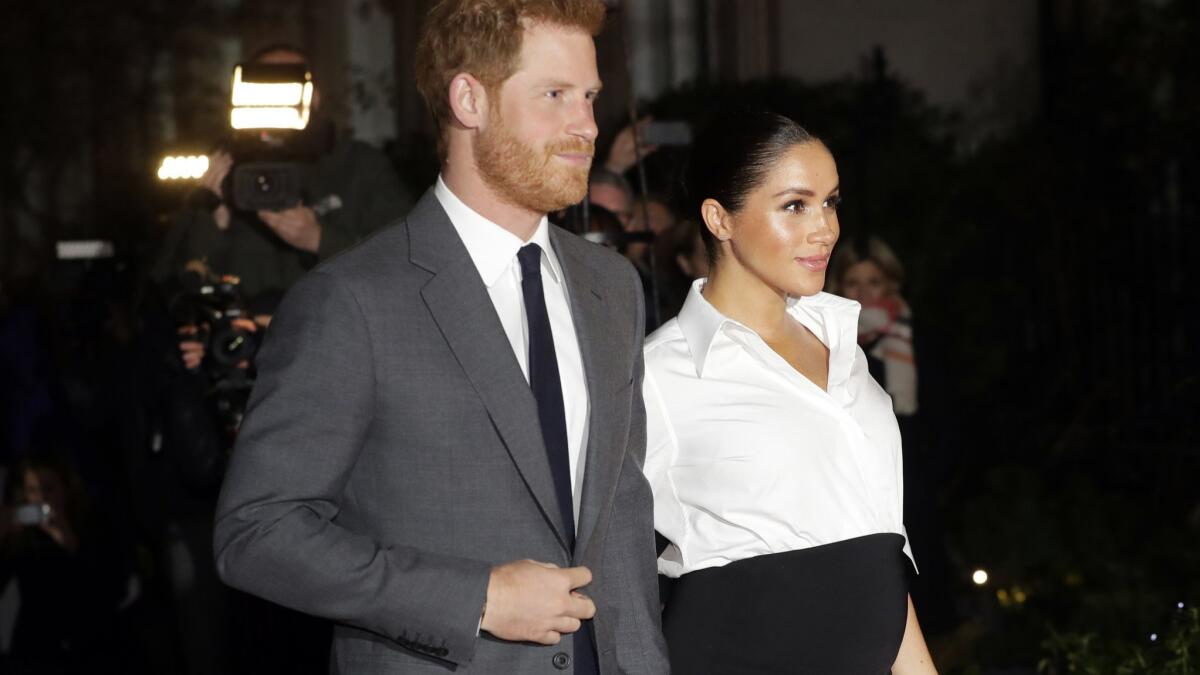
(676, 132)
(32, 514)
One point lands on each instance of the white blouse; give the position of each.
(748, 457)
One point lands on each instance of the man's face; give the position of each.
(538, 144)
(614, 199)
(290, 58)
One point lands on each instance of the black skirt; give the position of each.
(836, 609)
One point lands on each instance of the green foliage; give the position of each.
(1172, 652)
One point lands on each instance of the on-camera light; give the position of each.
(182, 167)
(271, 96)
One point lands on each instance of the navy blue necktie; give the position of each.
(547, 389)
(546, 384)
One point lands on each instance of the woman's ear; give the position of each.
(717, 220)
(468, 101)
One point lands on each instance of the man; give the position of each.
(611, 191)
(443, 450)
(351, 190)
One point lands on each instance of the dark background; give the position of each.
(1048, 239)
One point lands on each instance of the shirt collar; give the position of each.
(699, 322)
(491, 247)
(833, 319)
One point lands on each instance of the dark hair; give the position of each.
(277, 47)
(731, 157)
(74, 495)
(851, 251)
(602, 176)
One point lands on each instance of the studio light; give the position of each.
(271, 96)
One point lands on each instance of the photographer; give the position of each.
(349, 190)
(70, 575)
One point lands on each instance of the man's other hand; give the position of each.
(191, 351)
(297, 226)
(624, 152)
(530, 601)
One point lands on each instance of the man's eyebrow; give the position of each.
(562, 84)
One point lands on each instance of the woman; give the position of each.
(774, 457)
(867, 271)
(70, 578)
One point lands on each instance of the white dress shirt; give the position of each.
(493, 249)
(748, 457)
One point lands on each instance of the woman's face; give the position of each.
(43, 487)
(864, 282)
(786, 229)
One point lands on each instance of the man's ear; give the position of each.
(468, 101)
(716, 219)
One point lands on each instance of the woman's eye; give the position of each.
(796, 206)
(833, 202)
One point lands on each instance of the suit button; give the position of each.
(561, 660)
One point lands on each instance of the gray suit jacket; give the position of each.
(391, 455)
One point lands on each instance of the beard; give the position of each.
(527, 176)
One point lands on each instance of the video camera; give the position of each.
(275, 139)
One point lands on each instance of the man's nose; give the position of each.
(583, 121)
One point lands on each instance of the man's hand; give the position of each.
(192, 351)
(532, 601)
(219, 164)
(297, 226)
(624, 151)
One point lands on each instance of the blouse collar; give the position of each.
(833, 319)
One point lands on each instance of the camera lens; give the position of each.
(263, 182)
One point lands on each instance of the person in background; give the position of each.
(774, 458)
(611, 191)
(605, 228)
(70, 574)
(351, 191)
(684, 261)
(867, 271)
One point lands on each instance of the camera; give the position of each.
(212, 304)
(32, 515)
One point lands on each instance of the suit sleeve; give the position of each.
(630, 549)
(277, 533)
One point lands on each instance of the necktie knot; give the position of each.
(530, 257)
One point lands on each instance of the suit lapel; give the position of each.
(602, 372)
(459, 303)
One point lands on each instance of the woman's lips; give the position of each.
(816, 263)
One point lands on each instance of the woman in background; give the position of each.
(773, 456)
(70, 577)
(866, 270)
